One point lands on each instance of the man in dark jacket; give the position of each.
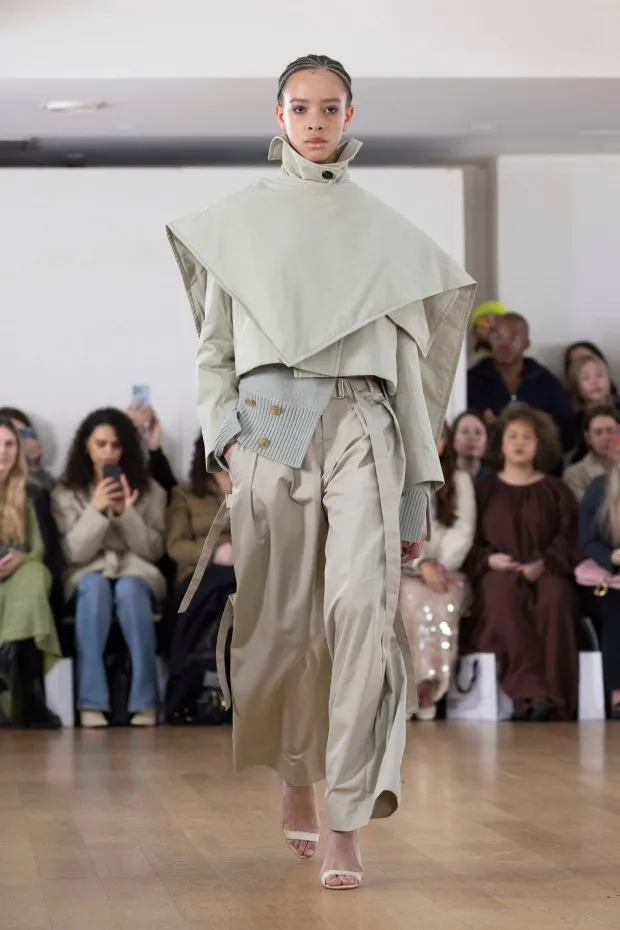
(509, 376)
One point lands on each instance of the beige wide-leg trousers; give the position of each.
(319, 654)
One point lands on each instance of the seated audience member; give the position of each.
(148, 424)
(113, 534)
(37, 475)
(580, 350)
(601, 424)
(27, 630)
(470, 444)
(433, 593)
(590, 386)
(522, 566)
(482, 323)
(509, 376)
(599, 526)
(191, 513)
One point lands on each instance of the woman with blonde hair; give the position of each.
(27, 630)
(589, 386)
(599, 530)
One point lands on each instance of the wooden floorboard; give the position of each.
(507, 827)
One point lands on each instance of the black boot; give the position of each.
(543, 710)
(36, 714)
(8, 658)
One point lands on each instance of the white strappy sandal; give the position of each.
(344, 873)
(292, 836)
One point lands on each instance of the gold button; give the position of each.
(264, 443)
(250, 402)
(276, 411)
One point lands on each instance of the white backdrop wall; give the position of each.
(91, 300)
(559, 249)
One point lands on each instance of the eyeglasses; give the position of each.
(27, 432)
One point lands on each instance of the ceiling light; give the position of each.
(74, 106)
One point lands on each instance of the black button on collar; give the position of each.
(328, 175)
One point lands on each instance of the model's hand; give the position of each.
(434, 577)
(615, 557)
(228, 452)
(500, 562)
(533, 570)
(224, 555)
(410, 551)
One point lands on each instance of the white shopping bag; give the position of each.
(591, 689)
(59, 691)
(474, 691)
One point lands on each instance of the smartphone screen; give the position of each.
(112, 471)
(141, 395)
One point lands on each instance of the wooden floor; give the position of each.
(507, 827)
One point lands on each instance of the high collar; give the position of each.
(295, 165)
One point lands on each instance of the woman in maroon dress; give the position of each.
(522, 567)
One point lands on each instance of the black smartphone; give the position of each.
(113, 471)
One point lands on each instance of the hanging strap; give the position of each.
(221, 523)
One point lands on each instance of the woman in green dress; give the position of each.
(27, 631)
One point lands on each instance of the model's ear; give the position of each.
(280, 116)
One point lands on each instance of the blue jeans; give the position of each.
(98, 600)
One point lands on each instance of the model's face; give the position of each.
(594, 383)
(9, 450)
(470, 438)
(519, 444)
(104, 448)
(314, 114)
(601, 436)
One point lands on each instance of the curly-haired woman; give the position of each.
(522, 565)
(113, 534)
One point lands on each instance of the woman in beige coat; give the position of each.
(112, 531)
(330, 329)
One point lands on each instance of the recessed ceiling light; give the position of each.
(74, 106)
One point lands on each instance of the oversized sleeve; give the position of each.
(478, 561)
(82, 528)
(561, 555)
(181, 544)
(143, 530)
(457, 540)
(593, 541)
(217, 382)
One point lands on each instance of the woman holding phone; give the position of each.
(111, 518)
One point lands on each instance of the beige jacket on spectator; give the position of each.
(188, 522)
(580, 476)
(118, 546)
(450, 545)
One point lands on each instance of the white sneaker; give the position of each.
(144, 718)
(427, 713)
(93, 719)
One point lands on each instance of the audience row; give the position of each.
(116, 538)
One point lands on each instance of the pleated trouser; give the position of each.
(319, 657)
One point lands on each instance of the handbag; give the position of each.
(590, 574)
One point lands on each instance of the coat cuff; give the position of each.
(415, 513)
(228, 430)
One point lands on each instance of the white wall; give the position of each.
(91, 300)
(395, 38)
(559, 249)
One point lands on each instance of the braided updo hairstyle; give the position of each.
(314, 63)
